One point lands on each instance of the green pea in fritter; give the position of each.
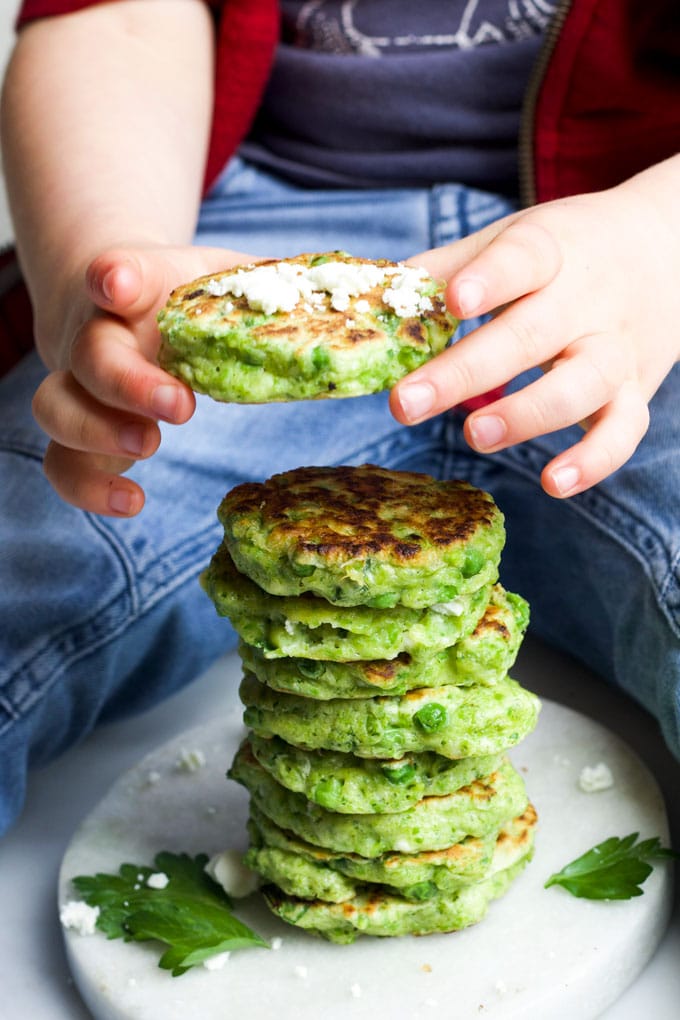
(364, 536)
(317, 325)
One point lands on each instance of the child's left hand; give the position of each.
(584, 287)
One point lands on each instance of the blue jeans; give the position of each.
(103, 617)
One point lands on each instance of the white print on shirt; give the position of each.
(332, 26)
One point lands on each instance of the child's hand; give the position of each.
(101, 404)
(587, 289)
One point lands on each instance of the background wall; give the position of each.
(7, 14)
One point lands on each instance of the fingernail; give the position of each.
(566, 479)
(120, 501)
(106, 285)
(416, 400)
(164, 400)
(487, 431)
(131, 438)
(470, 295)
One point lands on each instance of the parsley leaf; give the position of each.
(612, 870)
(191, 915)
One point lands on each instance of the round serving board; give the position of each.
(538, 953)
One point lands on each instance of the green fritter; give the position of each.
(373, 911)
(309, 627)
(303, 870)
(456, 722)
(350, 785)
(364, 536)
(483, 657)
(317, 325)
(434, 823)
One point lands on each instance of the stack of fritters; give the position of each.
(376, 644)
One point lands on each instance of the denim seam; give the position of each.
(30, 451)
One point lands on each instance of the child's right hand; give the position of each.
(101, 403)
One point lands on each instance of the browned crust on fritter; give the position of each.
(347, 513)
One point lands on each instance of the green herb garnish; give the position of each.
(612, 870)
(191, 914)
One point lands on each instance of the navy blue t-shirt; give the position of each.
(368, 93)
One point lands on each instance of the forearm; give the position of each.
(105, 124)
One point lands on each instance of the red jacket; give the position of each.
(603, 103)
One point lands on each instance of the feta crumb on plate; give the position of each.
(229, 871)
(216, 962)
(190, 760)
(301, 971)
(594, 778)
(158, 880)
(76, 915)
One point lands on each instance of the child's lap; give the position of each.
(104, 616)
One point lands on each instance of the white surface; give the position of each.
(34, 975)
(537, 953)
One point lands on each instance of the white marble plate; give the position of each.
(538, 954)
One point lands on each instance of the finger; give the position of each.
(448, 259)
(605, 447)
(80, 480)
(577, 386)
(74, 419)
(135, 283)
(526, 334)
(521, 259)
(106, 365)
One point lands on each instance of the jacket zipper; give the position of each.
(525, 155)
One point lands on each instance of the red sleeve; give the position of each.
(30, 10)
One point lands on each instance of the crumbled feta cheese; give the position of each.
(454, 607)
(301, 971)
(190, 760)
(355, 989)
(158, 880)
(404, 294)
(277, 942)
(216, 962)
(229, 871)
(340, 301)
(76, 915)
(403, 846)
(594, 778)
(362, 306)
(279, 288)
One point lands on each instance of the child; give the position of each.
(106, 132)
